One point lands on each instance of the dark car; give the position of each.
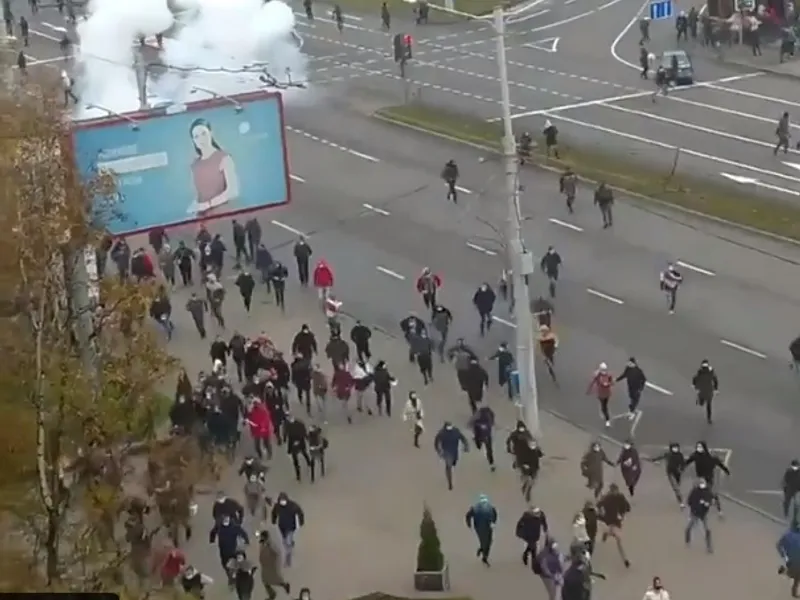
(685, 74)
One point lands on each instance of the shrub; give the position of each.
(429, 553)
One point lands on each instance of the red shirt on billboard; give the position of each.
(323, 275)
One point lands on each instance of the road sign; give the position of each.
(660, 10)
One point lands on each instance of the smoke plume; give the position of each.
(219, 46)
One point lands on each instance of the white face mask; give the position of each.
(449, 427)
(626, 446)
(282, 502)
(700, 449)
(795, 467)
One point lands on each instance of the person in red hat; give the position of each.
(323, 278)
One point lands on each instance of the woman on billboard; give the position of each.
(213, 171)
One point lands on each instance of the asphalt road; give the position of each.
(734, 310)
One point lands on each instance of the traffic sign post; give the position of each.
(660, 10)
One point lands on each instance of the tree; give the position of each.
(429, 552)
(75, 391)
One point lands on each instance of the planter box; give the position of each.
(432, 581)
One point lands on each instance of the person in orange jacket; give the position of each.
(602, 382)
(323, 277)
(428, 284)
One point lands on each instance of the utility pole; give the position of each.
(141, 78)
(520, 260)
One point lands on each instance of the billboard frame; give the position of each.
(200, 105)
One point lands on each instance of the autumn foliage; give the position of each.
(75, 392)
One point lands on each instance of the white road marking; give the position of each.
(44, 61)
(692, 126)
(504, 322)
(375, 209)
(766, 492)
(727, 111)
(391, 273)
(623, 33)
(557, 109)
(604, 296)
(658, 388)
(637, 417)
(744, 349)
(516, 20)
(747, 94)
(44, 35)
(548, 45)
(54, 27)
(286, 227)
(792, 165)
(463, 190)
(695, 268)
(364, 156)
(726, 455)
(481, 249)
(753, 181)
(561, 223)
(297, 178)
(659, 144)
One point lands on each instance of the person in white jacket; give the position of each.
(580, 537)
(657, 591)
(413, 412)
(361, 372)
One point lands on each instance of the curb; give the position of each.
(747, 67)
(656, 201)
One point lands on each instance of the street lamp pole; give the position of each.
(521, 260)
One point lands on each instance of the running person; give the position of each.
(550, 264)
(543, 311)
(671, 279)
(548, 344)
(338, 17)
(662, 83)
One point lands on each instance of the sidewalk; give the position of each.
(768, 62)
(362, 520)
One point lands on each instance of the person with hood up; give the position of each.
(216, 255)
(604, 200)
(319, 387)
(675, 463)
(413, 412)
(246, 285)
(450, 175)
(237, 349)
(699, 501)
(269, 561)
(288, 517)
(550, 133)
(227, 534)
(305, 342)
(706, 465)
(483, 300)
(788, 547)
(447, 443)
(361, 372)
(550, 568)
(636, 381)
(706, 384)
(422, 346)
(441, 320)
(482, 517)
(529, 461)
(531, 526)
(301, 378)
(483, 422)
(360, 335)
(240, 574)
(383, 382)
(277, 280)
(790, 485)
(412, 327)
(343, 383)
(323, 278)
(184, 256)
(428, 284)
(477, 380)
(505, 364)
(240, 243)
(630, 465)
(253, 229)
(601, 384)
(302, 255)
(261, 428)
(592, 468)
(338, 352)
(612, 509)
(215, 293)
(121, 256)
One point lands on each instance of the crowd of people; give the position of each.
(283, 398)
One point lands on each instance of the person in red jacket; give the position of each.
(602, 382)
(342, 383)
(323, 277)
(172, 561)
(428, 284)
(260, 422)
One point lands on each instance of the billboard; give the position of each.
(199, 161)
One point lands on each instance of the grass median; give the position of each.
(765, 214)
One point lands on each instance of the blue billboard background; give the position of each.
(202, 163)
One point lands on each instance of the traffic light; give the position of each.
(402, 47)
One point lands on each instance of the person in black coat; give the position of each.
(412, 327)
(360, 335)
(301, 378)
(246, 285)
(305, 343)
(531, 526)
(264, 265)
(288, 517)
(484, 302)
(277, 276)
(227, 536)
(706, 384)
(636, 381)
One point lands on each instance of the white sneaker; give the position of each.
(631, 416)
(608, 423)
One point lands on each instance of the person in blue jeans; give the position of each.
(288, 517)
(699, 502)
(789, 549)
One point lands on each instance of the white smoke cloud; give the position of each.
(217, 45)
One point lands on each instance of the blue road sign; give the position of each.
(660, 9)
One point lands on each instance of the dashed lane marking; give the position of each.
(781, 101)
(463, 190)
(504, 322)
(334, 145)
(297, 178)
(727, 111)
(658, 388)
(695, 268)
(375, 209)
(391, 273)
(766, 492)
(286, 227)
(744, 349)
(481, 249)
(566, 225)
(611, 299)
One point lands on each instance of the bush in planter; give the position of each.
(429, 554)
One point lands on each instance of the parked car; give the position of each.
(685, 73)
